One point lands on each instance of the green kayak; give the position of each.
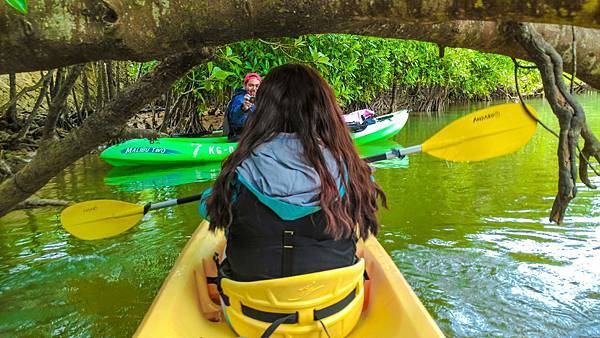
(181, 150)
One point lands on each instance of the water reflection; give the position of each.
(382, 147)
(144, 177)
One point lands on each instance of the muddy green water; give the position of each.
(473, 240)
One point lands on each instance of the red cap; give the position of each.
(251, 76)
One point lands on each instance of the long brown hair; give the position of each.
(295, 99)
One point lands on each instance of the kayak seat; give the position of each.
(315, 305)
(356, 127)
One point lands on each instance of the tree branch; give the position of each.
(77, 31)
(569, 112)
(60, 99)
(131, 133)
(38, 102)
(23, 91)
(100, 127)
(41, 203)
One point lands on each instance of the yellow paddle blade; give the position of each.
(486, 133)
(100, 218)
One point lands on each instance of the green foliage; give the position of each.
(134, 67)
(359, 68)
(19, 5)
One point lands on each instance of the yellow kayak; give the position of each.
(184, 305)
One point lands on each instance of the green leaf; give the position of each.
(322, 59)
(19, 5)
(220, 73)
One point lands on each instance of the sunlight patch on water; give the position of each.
(441, 242)
(582, 219)
(502, 220)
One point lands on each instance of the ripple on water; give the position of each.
(441, 242)
(509, 273)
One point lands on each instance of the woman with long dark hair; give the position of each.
(294, 196)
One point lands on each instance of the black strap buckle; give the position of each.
(287, 257)
(277, 319)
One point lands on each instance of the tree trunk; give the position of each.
(104, 83)
(33, 203)
(43, 91)
(11, 111)
(168, 101)
(99, 86)
(76, 31)
(153, 108)
(13, 101)
(168, 117)
(591, 148)
(100, 127)
(76, 105)
(569, 112)
(110, 81)
(55, 84)
(488, 37)
(131, 133)
(574, 58)
(59, 100)
(394, 94)
(139, 71)
(86, 104)
(117, 77)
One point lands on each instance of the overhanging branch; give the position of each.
(77, 31)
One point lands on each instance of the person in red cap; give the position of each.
(240, 105)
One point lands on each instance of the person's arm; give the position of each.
(236, 104)
(237, 115)
(244, 115)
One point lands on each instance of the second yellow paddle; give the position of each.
(486, 133)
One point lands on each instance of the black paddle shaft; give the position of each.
(393, 153)
(173, 201)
